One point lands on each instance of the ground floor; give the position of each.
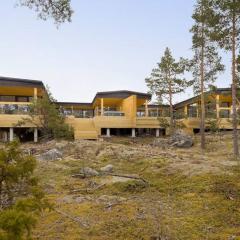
(8, 134)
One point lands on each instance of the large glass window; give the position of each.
(224, 113)
(7, 98)
(22, 99)
(192, 111)
(225, 104)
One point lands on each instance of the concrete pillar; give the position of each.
(157, 132)
(217, 105)
(35, 94)
(35, 135)
(102, 107)
(133, 132)
(11, 134)
(108, 132)
(5, 136)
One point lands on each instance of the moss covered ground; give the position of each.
(188, 194)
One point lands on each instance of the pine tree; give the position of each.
(21, 197)
(59, 10)
(206, 62)
(167, 80)
(226, 32)
(45, 115)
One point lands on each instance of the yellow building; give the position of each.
(110, 113)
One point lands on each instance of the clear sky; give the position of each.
(109, 45)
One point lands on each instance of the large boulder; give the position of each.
(88, 172)
(51, 155)
(107, 169)
(181, 140)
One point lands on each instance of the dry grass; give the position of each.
(191, 195)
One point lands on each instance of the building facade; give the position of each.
(110, 113)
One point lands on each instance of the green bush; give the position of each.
(21, 197)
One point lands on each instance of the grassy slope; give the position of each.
(189, 196)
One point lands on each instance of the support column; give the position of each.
(197, 106)
(157, 132)
(5, 136)
(185, 111)
(102, 107)
(35, 135)
(133, 132)
(108, 132)
(146, 109)
(35, 94)
(217, 105)
(11, 134)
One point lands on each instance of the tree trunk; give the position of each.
(171, 108)
(202, 123)
(234, 89)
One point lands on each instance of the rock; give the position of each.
(51, 155)
(181, 140)
(89, 172)
(107, 169)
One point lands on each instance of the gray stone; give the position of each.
(89, 172)
(107, 169)
(181, 140)
(51, 155)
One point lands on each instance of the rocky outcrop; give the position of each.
(181, 140)
(51, 155)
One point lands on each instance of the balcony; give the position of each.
(15, 108)
(113, 114)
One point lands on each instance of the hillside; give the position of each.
(177, 193)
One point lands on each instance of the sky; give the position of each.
(109, 45)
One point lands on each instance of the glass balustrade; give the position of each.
(14, 109)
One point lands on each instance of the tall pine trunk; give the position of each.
(202, 123)
(234, 90)
(171, 108)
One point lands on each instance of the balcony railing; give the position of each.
(22, 108)
(113, 114)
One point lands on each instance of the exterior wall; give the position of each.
(129, 107)
(11, 120)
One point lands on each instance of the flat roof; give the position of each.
(190, 100)
(11, 82)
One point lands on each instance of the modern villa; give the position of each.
(110, 113)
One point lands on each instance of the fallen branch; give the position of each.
(88, 190)
(128, 176)
(73, 218)
(79, 175)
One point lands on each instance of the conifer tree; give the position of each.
(167, 79)
(206, 63)
(59, 10)
(21, 196)
(226, 32)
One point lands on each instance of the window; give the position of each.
(7, 98)
(192, 111)
(224, 114)
(225, 104)
(22, 99)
